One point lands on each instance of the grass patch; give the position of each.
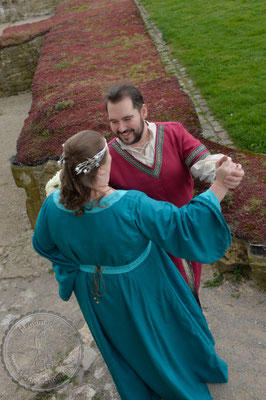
(218, 280)
(222, 45)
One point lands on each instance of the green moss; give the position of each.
(63, 64)
(228, 199)
(254, 204)
(62, 105)
(106, 45)
(77, 8)
(249, 227)
(128, 42)
(45, 133)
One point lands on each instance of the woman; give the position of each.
(110, 248)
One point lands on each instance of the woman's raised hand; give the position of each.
(229, 174)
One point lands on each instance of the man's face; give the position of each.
(126, 122)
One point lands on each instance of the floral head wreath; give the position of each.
(86, 166)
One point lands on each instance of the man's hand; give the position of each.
(236, 175)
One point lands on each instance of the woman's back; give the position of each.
(141, 312)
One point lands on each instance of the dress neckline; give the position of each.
(105, 203)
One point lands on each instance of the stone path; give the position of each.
(235, 312)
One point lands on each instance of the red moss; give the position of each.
(245, 207)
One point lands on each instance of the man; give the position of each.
(158, 159)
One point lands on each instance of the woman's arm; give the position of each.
(65, 269)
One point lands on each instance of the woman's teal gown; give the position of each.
(144, 318)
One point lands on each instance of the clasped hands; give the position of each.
(229, 172)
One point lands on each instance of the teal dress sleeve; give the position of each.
(65, 269)
(196, 232)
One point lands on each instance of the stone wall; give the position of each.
(18, 64)
(241, 256)
(33, 180)
(246, 259)
(16, 10)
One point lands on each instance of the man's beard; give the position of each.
(136, 133)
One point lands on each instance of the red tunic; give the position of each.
(169, 179)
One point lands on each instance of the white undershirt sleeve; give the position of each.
(205, 169)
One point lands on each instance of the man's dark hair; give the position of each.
(117, 92)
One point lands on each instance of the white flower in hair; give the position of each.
(53, 184)
(86, 166)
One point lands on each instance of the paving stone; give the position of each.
(86, 392)
(89, 357)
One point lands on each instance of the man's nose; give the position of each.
(122, 126)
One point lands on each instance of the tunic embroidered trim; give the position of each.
(150, 147)
(194, 154)
(158, 156)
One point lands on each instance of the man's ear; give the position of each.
(144, 111)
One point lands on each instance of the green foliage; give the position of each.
(218, 280)
(62, 105)
(77, 8)
(63, 64)
(45, 133)
(255, 204)
(113, 43)
(249, 227)
(221, 43)
(228, 199)
(238, 274)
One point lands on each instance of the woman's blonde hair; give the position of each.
(74, 195)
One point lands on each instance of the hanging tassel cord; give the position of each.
(95, 284)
